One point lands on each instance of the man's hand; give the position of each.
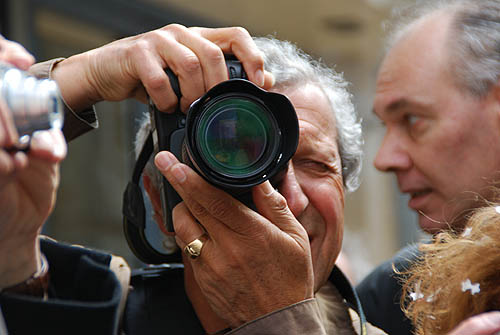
(247, 256)
(482, 324)
(28, 184)
(27, 196)
(14, 53)
(134, 66)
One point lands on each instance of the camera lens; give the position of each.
(35, 104)
(236, 137)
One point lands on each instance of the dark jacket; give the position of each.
(380, 294)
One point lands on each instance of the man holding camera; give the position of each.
(247, 255)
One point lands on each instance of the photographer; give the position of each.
(125, 68)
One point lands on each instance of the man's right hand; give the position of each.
(133, 67)
(28, 184)
(27, 196)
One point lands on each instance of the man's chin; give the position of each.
(431, 225)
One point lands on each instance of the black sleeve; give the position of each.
(380, 294)
(84, 296)
(78, 124)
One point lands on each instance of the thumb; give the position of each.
(273, 206)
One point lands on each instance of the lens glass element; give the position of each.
(236, 136)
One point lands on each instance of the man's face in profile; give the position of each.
(440, 141)
(313, 185)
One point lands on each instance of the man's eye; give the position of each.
(411, 119)
(320, 167)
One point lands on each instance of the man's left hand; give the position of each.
(251, 263)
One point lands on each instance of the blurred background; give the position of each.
(345, 34)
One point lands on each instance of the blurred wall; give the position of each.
(346, 34)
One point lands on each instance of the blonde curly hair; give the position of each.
(457, 276)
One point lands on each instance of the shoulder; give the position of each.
(398, 263)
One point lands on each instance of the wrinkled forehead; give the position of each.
(312, 107)
(417, 66)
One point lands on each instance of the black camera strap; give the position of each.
(339, 280)
(134, 213)
(133, 204)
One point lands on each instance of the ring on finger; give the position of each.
(193, 248)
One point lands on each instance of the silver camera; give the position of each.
(35, 104)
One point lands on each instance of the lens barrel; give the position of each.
(238, 135)
(34, 104)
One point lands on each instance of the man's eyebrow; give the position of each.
(400, 104)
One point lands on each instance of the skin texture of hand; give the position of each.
(482, 324)
(243, 246)
(27, 196)
(15, 54)
(28, 184)
(130, 67)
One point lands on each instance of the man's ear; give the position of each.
(495, 100)
(496, 91)
(152, 192)
(146, 181)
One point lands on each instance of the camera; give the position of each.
(235, 136)
(35, 104)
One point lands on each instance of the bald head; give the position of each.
(473, 37)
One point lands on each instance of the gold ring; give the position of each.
(193, 249)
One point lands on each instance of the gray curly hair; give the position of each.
(474, 42)
(292, 67)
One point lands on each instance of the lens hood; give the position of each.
(239, 98)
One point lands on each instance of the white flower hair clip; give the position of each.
(467, 285)
(467, 231)
(417, 294)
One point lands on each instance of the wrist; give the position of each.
(36, 285)
(18, 261)
(71, 76)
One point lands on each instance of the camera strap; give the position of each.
(134, 213)
(339, 280)
(133, 202)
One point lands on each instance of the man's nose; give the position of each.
(292, 191)
(392, 154)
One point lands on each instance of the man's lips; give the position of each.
(418, 198)
(415, 194)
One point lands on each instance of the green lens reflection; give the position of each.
(233, 136)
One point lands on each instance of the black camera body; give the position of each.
(235, 136)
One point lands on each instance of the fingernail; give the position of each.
(164, 160)
(259, 77)
(267, 188)
(42, 139)
(273, 79)
(178, 173)
(59, 151)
